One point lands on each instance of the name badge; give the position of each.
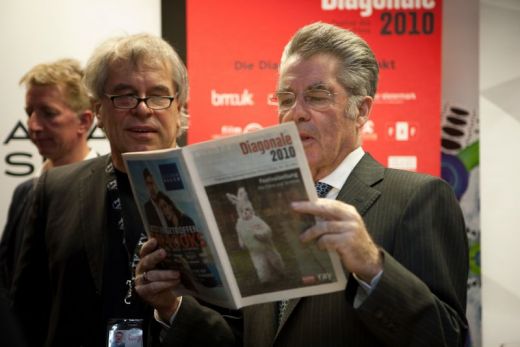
(125, 333)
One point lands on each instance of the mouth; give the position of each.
(142, 131)
(306, 139)
(40, 140)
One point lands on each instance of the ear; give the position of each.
(96, 105)
(242, 194)
(178, 121)
(232, 198)
(364, 111)
(86, 118)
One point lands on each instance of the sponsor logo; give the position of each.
(232, 99)
(403, 162)
(368, 131)
(401, 131)
(395, 98)
(230, 130)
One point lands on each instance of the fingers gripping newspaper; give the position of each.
(221, 210)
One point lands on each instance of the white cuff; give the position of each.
(172, 318)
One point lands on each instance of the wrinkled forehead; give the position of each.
(140, 64)
(310, 72)
(42, 89)
(128, 75)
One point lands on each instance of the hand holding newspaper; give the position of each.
(221, 210)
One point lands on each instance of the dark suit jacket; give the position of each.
(14, 231)
(57, 289)
(421, 297)
(11, 335)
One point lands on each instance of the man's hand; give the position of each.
(156, 286)
(340, 228)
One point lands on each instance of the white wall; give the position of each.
(460, 81)
(500, 168)
(34, 31)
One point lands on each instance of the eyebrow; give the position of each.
(318, 86)
(122, 87)
(314, 86)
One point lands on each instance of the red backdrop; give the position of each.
(233, 50)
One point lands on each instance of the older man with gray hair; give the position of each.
(399, 235)
(75, 281)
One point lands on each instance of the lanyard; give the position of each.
(118, 213)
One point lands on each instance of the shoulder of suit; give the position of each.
(407, 181)
(410, 175)
(74, 171)
(24, 187)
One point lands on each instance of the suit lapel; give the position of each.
(92, 188)
(358, 189)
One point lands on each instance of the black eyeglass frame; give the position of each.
(138, 100)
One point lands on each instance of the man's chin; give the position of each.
(143, 148)
(46, 153)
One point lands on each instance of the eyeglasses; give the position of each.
(316, 99)
(130, 101)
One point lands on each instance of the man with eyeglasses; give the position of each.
(400, 235)
(76, 275)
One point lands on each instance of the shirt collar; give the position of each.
(338, 177)
(91, 155)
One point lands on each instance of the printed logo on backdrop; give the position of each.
(368, 132)
(401, 131)
(398, 17)
(171, 176)
(19, 160)
(232, 99)
(230, 130)
(366, 8)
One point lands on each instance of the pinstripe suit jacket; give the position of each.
(421, 297)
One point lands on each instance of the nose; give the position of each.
(142, 110)
(33, 122)
(297, 113)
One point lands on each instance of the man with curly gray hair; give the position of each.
(76, 275)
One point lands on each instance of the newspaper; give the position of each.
(225, 217)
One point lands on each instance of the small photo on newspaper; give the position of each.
(170, 216)
(260, 233)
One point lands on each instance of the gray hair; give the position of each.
(137, 49)
(359, 69)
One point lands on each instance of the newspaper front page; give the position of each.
(237, 192)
